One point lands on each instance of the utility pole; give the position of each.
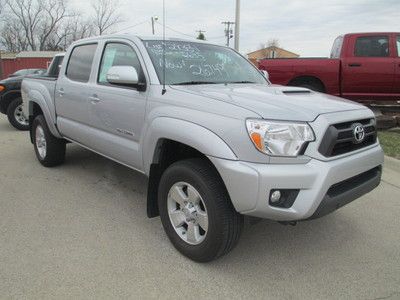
(237, 25)
(153, 21)
(228, 31)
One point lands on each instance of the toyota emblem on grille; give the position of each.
(358, 132)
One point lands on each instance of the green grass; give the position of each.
(390, 142)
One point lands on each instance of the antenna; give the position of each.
(164, 89)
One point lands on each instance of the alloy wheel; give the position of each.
(187, 213)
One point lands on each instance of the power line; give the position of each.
(216, 37)
(137, 24)
(174, 30)
(188, 35)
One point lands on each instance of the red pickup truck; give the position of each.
(363, 66)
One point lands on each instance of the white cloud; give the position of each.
(307, 27)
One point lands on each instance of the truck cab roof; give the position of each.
(142, 38)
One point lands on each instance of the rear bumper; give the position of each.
(249, 185)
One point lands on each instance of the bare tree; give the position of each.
(13, 37)
(74, 29)
(81, 29)
(31, 23)
(50, 24)
(268, 47)
(106, 15)
(55, 12)
(27, 12)
(273, 43)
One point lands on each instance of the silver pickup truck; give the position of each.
(217, 141)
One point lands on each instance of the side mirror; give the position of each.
(125, 75)
(265, 74)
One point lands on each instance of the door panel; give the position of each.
(369, 73)
(117, 120)
(117, 112)
(72, 94)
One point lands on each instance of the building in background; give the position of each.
(269, 53)
(12, 62)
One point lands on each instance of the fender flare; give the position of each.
(185, 132)
(37, 98)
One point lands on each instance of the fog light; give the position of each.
(283, 198)
(275, 196)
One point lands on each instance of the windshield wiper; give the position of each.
(195, 82)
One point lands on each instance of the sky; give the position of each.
(306, 27)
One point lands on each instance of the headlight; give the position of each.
(2, 87)
(279, 138)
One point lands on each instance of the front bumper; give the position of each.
(249, 184)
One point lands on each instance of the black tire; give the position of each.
(13, 109)
(224, 223)
(55, 147)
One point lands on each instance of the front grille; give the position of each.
(339, 138)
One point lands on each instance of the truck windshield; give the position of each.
(197, 63)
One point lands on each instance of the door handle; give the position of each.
(355, 65)
(61, 92)
(94, 99)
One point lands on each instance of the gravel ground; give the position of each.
(80, 231)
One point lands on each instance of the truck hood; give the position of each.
(273, 101)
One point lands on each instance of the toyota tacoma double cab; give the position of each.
(216, 140)
(364, 67)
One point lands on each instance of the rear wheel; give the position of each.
(196, 211)
(16, 116)
(50, 150)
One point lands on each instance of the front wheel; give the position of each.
(196, 211)
(49, 149)
(16, 116)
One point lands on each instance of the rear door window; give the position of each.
(398, 45)
(372, 46)
(80, 62)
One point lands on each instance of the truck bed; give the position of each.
(43, 86)
(285, 71)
